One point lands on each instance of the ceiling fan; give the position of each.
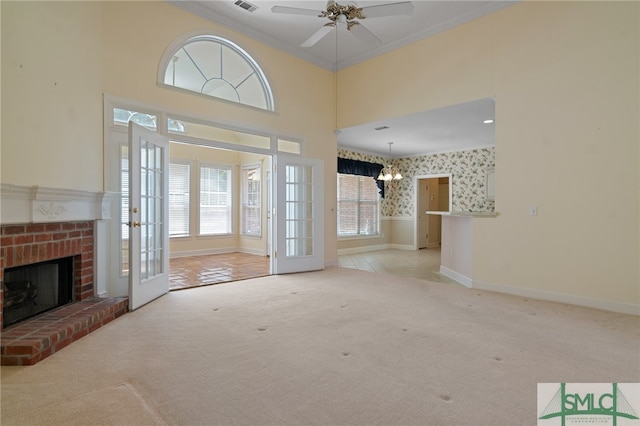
(348, 15)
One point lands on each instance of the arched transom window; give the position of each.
(216, 67)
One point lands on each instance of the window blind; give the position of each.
(215, 200)
(179, 203)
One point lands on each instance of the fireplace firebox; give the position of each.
(35, 288)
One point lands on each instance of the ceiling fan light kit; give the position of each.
(347, 15)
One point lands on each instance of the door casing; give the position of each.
(419, 213)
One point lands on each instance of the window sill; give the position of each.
(252, 236)
(211, 236)
(359, 237)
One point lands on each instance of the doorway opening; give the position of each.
(219, 222)
(432, 195)
(292, 182)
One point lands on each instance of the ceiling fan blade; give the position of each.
(402, 8)
(364, 35)
(317, 36)
(296, 11)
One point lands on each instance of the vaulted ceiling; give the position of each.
(448, 129)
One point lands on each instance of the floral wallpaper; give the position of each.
(467, 184)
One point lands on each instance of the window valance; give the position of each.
(362, 168)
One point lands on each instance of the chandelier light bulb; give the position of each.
(389, 172)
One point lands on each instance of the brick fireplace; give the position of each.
(46, 225)
(32, 243)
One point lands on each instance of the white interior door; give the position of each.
(299, 219)
(148, 215)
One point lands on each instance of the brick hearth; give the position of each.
(32, 340)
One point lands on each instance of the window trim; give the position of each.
(180, 42)
(378, 215)
(243, 199)
(190, 185)
(230, 168)
(163, 114)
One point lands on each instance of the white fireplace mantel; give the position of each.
(39, 204)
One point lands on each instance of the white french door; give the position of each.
(148, 215)
(299, 219)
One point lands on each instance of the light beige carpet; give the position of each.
(337, 347)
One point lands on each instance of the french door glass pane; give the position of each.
(251, 201)
(298, 210)
(151, 210)
(124, 210)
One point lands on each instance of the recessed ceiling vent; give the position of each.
(381, 128)
(246, 5)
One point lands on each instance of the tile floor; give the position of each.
(423, 264)
(186, 272)
(194, 271)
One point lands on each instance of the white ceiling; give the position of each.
(446, 129)
(287, 32)
(454, 128)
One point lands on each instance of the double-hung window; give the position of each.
(179, 202)
(358, 206)
(215, 200)
(251, 201)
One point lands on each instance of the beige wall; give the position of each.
(360, 244)
(564, 76)
(58, 58)
(565, 79)
(457, 246)
(396, 232)
(52, 74)
(403, 232)
(132, 53)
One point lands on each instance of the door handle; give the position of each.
(134, 224)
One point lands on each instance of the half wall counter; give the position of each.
(456, 253)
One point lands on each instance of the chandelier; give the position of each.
(389, 172)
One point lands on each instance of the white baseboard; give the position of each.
(606, 305)
(403, 246)
(255, 252)
(376, 247)
(330, 263)
(462, 279)
(205, 252)
(363, 249)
